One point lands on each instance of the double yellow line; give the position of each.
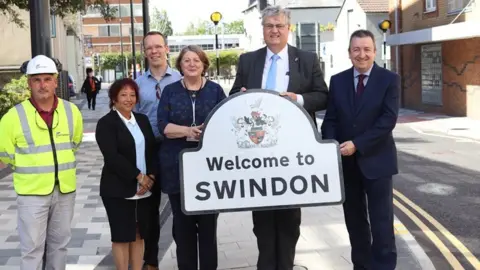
(432, 236)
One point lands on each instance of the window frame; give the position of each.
(430, 5)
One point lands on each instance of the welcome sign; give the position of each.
(258, 151)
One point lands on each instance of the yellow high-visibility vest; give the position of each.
(41, 157)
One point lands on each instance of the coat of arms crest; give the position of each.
(257, 129)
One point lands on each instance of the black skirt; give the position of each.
(125, 216)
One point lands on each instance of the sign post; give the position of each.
(260, 151)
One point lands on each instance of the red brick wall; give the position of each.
(461, 72)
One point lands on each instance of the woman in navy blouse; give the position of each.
(183, 108)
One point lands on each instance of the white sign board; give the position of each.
(259, 150)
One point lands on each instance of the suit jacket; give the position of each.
(306, 76)
(118, 148)
(367, 120)
(87, 88)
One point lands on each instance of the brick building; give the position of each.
(101, 36)
(436, 49)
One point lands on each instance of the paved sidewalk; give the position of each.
(323, 243)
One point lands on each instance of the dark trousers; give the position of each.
(277, 233)
(150, 255)
(92, 100)
(376, 197)
(186, 230)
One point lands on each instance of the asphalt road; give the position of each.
(442, 177)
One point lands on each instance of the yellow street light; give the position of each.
(216, 17)
(385, 25)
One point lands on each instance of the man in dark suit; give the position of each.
(295, 74)
(362, 111)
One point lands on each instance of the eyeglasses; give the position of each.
(270, 26)
(42, 124)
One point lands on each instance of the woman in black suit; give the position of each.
(127, 143)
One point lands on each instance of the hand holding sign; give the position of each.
(194, 132)
(291, 95)
(246, 159)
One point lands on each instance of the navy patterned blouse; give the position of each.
(176, 107)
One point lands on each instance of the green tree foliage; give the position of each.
(235, 27)
(111, 60)
(13, 93)
(200, 27)
(226, 59)
(159, 21)
(58, 7)
(206, 27)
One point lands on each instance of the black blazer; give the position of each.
(306, 76)
(118, 148)
(87, 88)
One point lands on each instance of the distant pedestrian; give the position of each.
(127, 143)
(39, 138)
(91, 86)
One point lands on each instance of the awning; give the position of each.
(447, 32)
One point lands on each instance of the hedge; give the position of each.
(227, 59)
(13, 93)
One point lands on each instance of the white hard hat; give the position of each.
(41, 64)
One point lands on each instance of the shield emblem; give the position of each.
(256, 135)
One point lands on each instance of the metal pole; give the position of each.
(134, 62)
(146, 25)
(216, 48)
(121, 38)
(384, 50)
(40, 28)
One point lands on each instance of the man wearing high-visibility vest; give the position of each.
(39, 138)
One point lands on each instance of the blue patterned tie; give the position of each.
(272, 73)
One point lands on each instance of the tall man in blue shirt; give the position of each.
(151, 84)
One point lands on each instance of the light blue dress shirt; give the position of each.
(148, 102)
(137, 135)
(355, 77)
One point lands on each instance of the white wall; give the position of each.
(253, 26)
(347, 23)
(75, 65)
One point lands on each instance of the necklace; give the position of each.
(193, 93)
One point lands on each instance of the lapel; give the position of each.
(373, 80)
(349, 80)
(294, 69)
(258, 66)
(122, 126)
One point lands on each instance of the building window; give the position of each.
(137, 10)
(92, 12)
(430, 5)
(307, 37)
(455, 6)
(431, 71)
(109, 30)
(138, 30)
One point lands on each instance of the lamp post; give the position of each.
(216, 17)
(384, 26)
(134, 62)
(40, 34)
(121, 37)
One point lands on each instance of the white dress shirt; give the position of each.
(283, 69)
(137, 135)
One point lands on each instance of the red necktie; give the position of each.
(360, 84)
